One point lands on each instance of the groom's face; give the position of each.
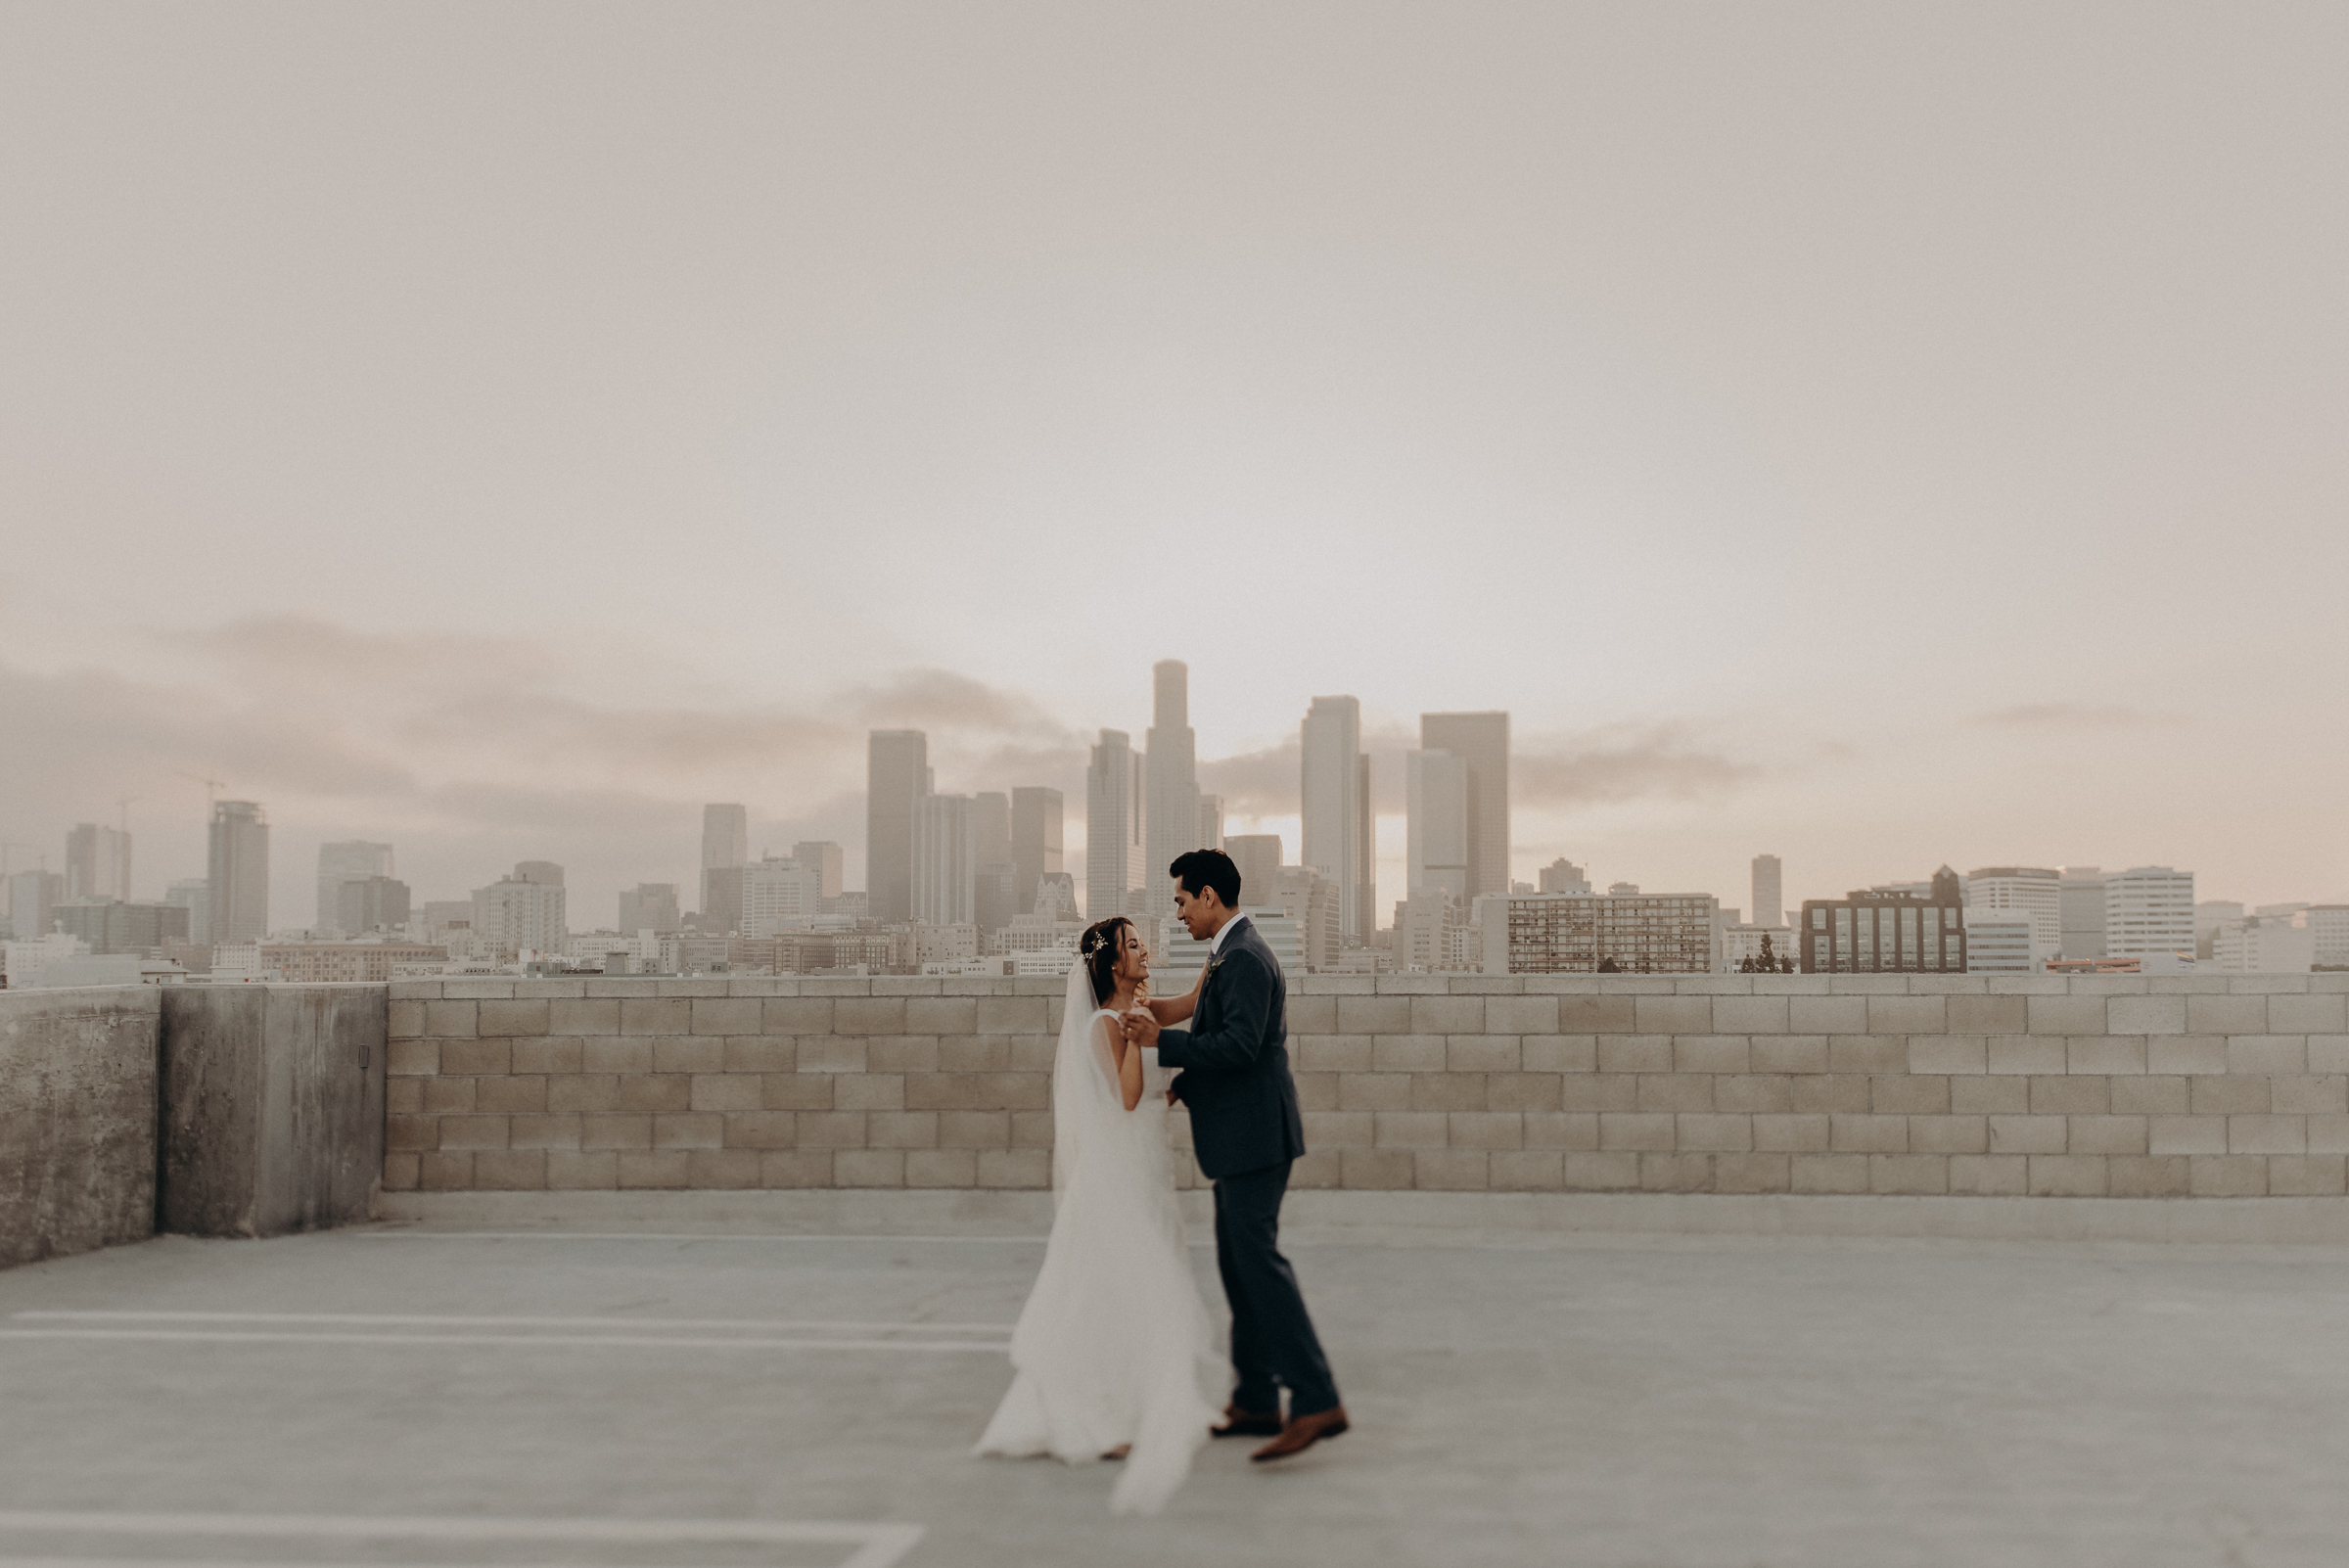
(1198, 911)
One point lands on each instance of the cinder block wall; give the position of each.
(2120, 1086)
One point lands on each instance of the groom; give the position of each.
(1234, 1062)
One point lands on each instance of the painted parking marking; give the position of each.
(870, 1546)
(769, 1324)
(673, 1235)
(232, 1336)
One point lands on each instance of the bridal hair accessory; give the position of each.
(1095, 941)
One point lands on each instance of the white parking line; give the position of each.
(776, 1325)
(876, 1546)
(677, 1236)
(645, 1341)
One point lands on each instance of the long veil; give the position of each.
(1080, 1080)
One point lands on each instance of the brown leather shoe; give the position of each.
(1247, 1423)
(1301, 1433)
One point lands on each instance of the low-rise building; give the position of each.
(327, 962)
(1583, 934)
(2002, 940)
(1878, 932)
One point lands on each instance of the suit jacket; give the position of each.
(1234, 1061)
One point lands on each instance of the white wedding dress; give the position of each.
(1114, 1346)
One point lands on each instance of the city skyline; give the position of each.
(1649, 382)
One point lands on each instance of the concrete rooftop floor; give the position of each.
(1666, 1403)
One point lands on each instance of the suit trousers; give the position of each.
(1272, 1341)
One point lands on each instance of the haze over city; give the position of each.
(1880, 438)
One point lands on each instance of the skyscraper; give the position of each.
(1170, 808)
(347, 861)
(1365, 852)
(2148, 914)
(96, 863)
(2036, 891)
(1036, 842)
(1769, 901)
(524, 910)
(1211, 821)
(237, 871)
(1335, 803)
(823, 858)
(1482, 740)
(2083, 904)
(369, 904)
(944, 862)
(725, 846)
(897, 778)
(1436, 810)
(649, 906)
(1112, 827)
(997, 897)
(1257, 855)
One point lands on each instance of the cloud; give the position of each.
(2071, 715)
(1609, 767)
(1261, 783)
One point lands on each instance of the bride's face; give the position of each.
(1134, 959)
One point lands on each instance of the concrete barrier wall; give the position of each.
(2074, 1086)
(77, 1098)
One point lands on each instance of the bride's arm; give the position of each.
(1175, 1010)
(1128, 1059)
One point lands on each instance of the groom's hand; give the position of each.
(1141, 1029)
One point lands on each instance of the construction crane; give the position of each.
(6, 845)
(211, 788)
(124, 804)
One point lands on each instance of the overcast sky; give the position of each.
(1877, 434)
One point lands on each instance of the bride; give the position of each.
(1115, 1355)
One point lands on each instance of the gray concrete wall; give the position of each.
(272, 1107)
(77, 1102)
(1988, 1085)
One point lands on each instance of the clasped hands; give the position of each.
(1141, 1024)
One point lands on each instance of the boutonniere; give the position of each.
(1213, 964)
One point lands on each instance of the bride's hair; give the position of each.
(1100, 950)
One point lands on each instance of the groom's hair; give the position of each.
(1200, 870)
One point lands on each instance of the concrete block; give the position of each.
(689, 1053)
(2221, 1095)
(1868, 1134)
(543, 1130)
(2309, 1095)
(2329, 1134)
(474, 1131)
(616, 1055)
(1374, 1091)
(721, 1169)
(1029, 1169)
(1410, 1129)
(2329, 1053)
(1827, 1172)
(440, 1096)
(2265, 1054)
(1332, 1053)
(1634, 1053)
(1988, 1015)
(951, 1169)
(728, 1091)
(451, 1171)
(1673, 1015)
(2227, 1015)
(1676, 1173)
(2003, 1175)
(616, 1130)
(1751, 1015)
(727, 1015)
(518, 1093)
(1841, 1094)
(656, 1015)
(941, 1015)
(476, 990)
(2306, 1176)
(1527, 1171)
(2307, 1015)
(1447, 1092)
(1032, 1130)
(2106, 1134)
(967, 1053)
(2227, 1175)
(1902, 1095)
(652, 1091)
(756, 1054)
(1948, 1053)
(1868, 1053)
(833, 1053)
(451, 1019)
(511, 1018)
(2267, 1134)
(406, 1020)
(1752, 1092)
(1709, 1133)
(1447, 1015)
(2186, 1134)
(1316, 1091)
(1597, 1015)
(870, 1168)
(1788, 1053)
(2147, 1176)
(412, 1058)
(654, 1169)
(272, 1102)
(1909, 1174)
(689, 1130)
(869, 1015)
(1452, 1170)
(1408, 1053)
(2026, 1053)
(544, 1056)
(973, 1130)
(1601, 1173)
(1635, 1131)
(795, 1015)
(2070, 1096)
(2149, 1096)
(762, 1129)
(1561, 1129)
(1375, 1169)
(471, 1056)
(2065, 1015)
(1523, 1091)
(795, 1168)
(1949, 1135)
(2145, 1015)
(1827, 1015)
(1907, 1015)
(2186, 1053)
(2105, 1054)
(2028, 1134)
(1338, 1128)
(1673, 1092)
(583, 1091)
(404, 1096)
(1752, 1172)
(1311, 1015)
(1791, 1133)
(1482, 1053)
(1598, 1091)
(401, 1173)
(1374, 1015)
(1521, 1015)
(2069, 1175)
(1711, 1053)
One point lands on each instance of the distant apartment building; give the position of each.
(2329, 935)
(1114, 841)
(825, 858)
(1036, 840)
(1744, 947)
(1481, 741)
(2005, 942)
(651, 906)
(1256, 856)
(193, 895)
(96, 863)
(31, 895)
(2209, 915)
(340, 962)
(2037, 891)
(1601, 934)
(1427, 931)
(1436, 805)
(777, 894)
(725, 846)
(1770, 900)
(1309, 901)
(2265, 944)
(2149, 912)
(1881, 932)
(995, 885)
(113, 926)
(370, 904)
(1336, 828)
(236, 873)
(944, 860)
(1211, 821)
(2083, 895)
(1561, 876)
(945, 944)
(347, 861)
(897, 778)
(521, 912)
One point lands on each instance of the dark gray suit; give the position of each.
(1234, 1062)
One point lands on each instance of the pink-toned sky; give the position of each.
(1881, 436)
